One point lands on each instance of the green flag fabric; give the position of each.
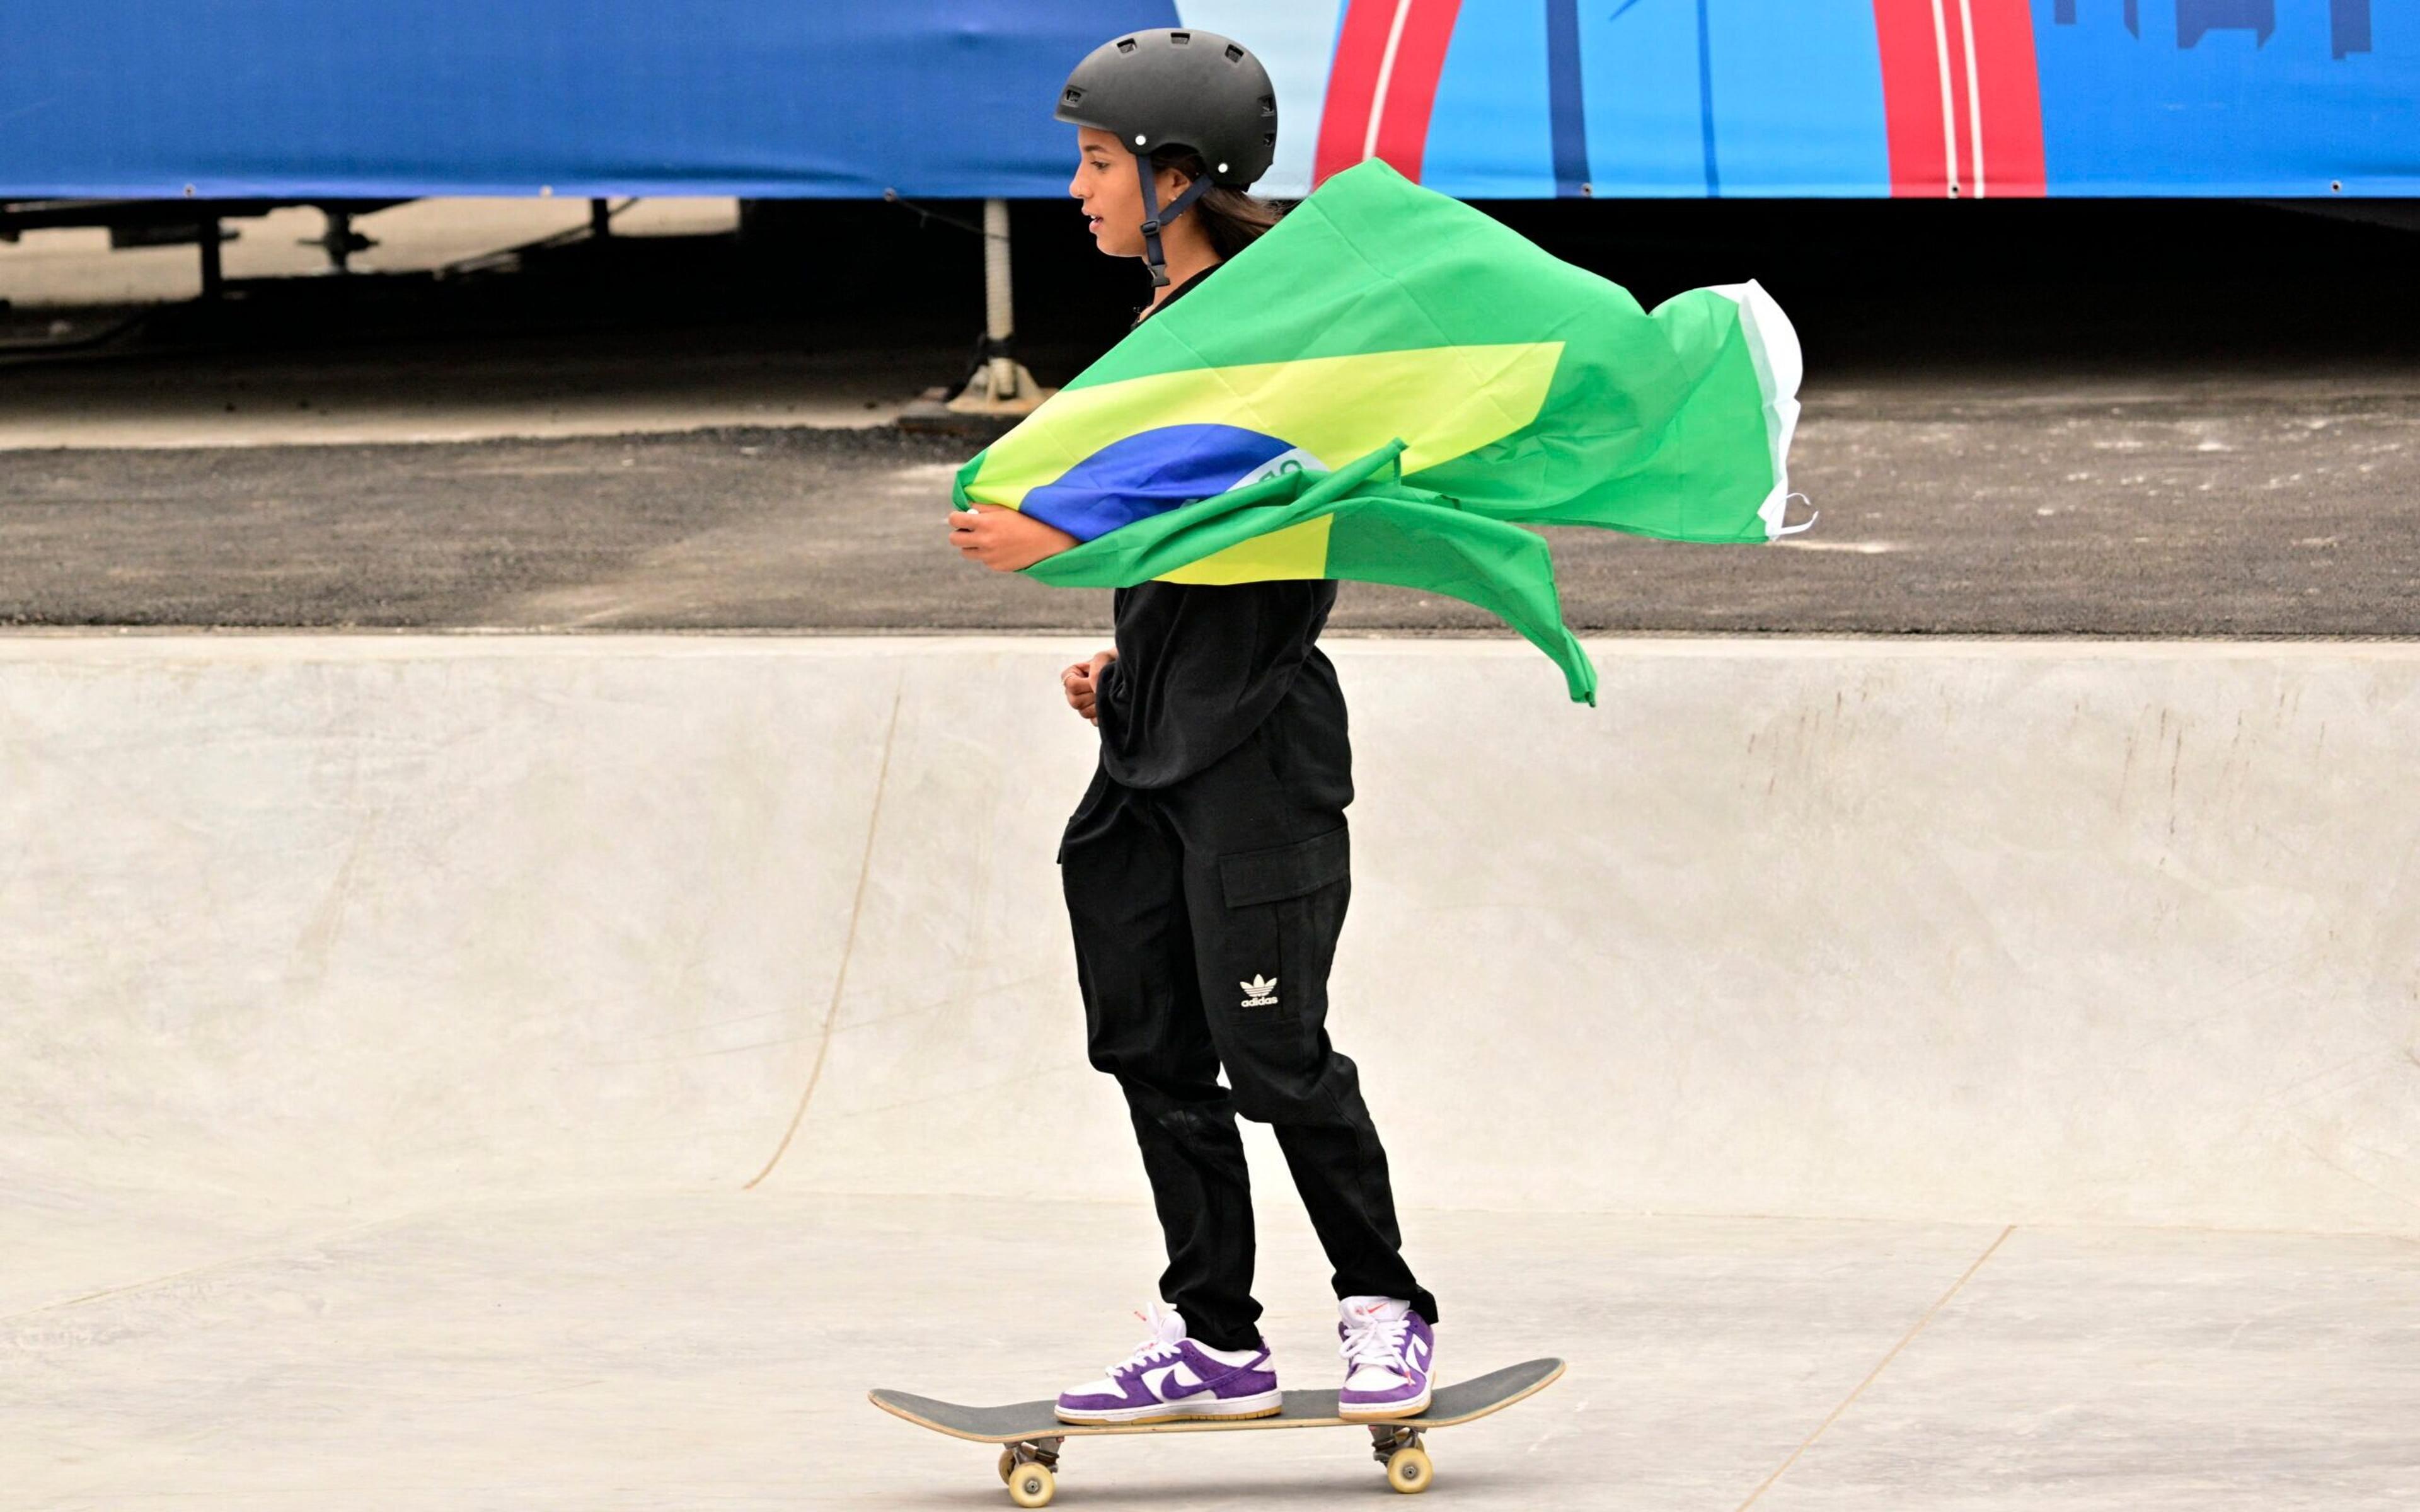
(1390, 386)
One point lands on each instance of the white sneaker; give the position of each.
(1390, 1358)
(1169, 1377)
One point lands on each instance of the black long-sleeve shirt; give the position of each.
(1202, 666)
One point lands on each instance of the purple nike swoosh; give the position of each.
(1171, 1389)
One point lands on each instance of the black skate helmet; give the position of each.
(1177, 88)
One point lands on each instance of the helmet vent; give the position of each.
(1268, 104)
(1071, 96)
(1235, 53)
(1180, 39)
(1127, 44)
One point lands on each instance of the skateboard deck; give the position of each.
(1033, 1431)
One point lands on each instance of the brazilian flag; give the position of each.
(1390, 387)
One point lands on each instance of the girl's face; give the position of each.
(1111, 194)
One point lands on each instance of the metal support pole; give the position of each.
(1000, 315)
(213, 277)
(601, 222)
(339, 241)
(1001, 386)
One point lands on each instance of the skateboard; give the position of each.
(1033, 1431)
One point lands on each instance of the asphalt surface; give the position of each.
(2022, 418)
(2271, 501)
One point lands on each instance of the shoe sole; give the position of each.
(1144, 1416)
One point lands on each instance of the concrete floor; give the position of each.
(526, 386)
(405, 1170)
(712, 1350)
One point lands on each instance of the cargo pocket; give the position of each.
(1253, 877)
(1284, 909)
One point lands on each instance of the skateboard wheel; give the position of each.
(1032, 1486)
(1007, 1464)
(1408, 1471)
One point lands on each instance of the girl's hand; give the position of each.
(1004, 539)
(1083, 681)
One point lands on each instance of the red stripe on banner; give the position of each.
(1971, 119)
(1421, 31)
(2012, 123)
(1411, 88)
(1920, 161)
(1344, 120)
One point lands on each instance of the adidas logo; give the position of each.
(1261, 992)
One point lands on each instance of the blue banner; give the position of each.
(1961, 98)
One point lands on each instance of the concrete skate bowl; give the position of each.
(306, 932)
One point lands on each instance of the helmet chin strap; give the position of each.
(1154, 217)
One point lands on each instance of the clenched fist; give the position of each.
(1083, 681)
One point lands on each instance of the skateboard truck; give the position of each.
(1029, 1470)
(1400, 1450)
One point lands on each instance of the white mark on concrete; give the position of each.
(848, 945)
(1906, 1339)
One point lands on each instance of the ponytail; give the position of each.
(1232, 218)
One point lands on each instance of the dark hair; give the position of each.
(1234, 218)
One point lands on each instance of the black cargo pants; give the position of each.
(1206, 916)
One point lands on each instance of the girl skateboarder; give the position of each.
(1205, 868)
